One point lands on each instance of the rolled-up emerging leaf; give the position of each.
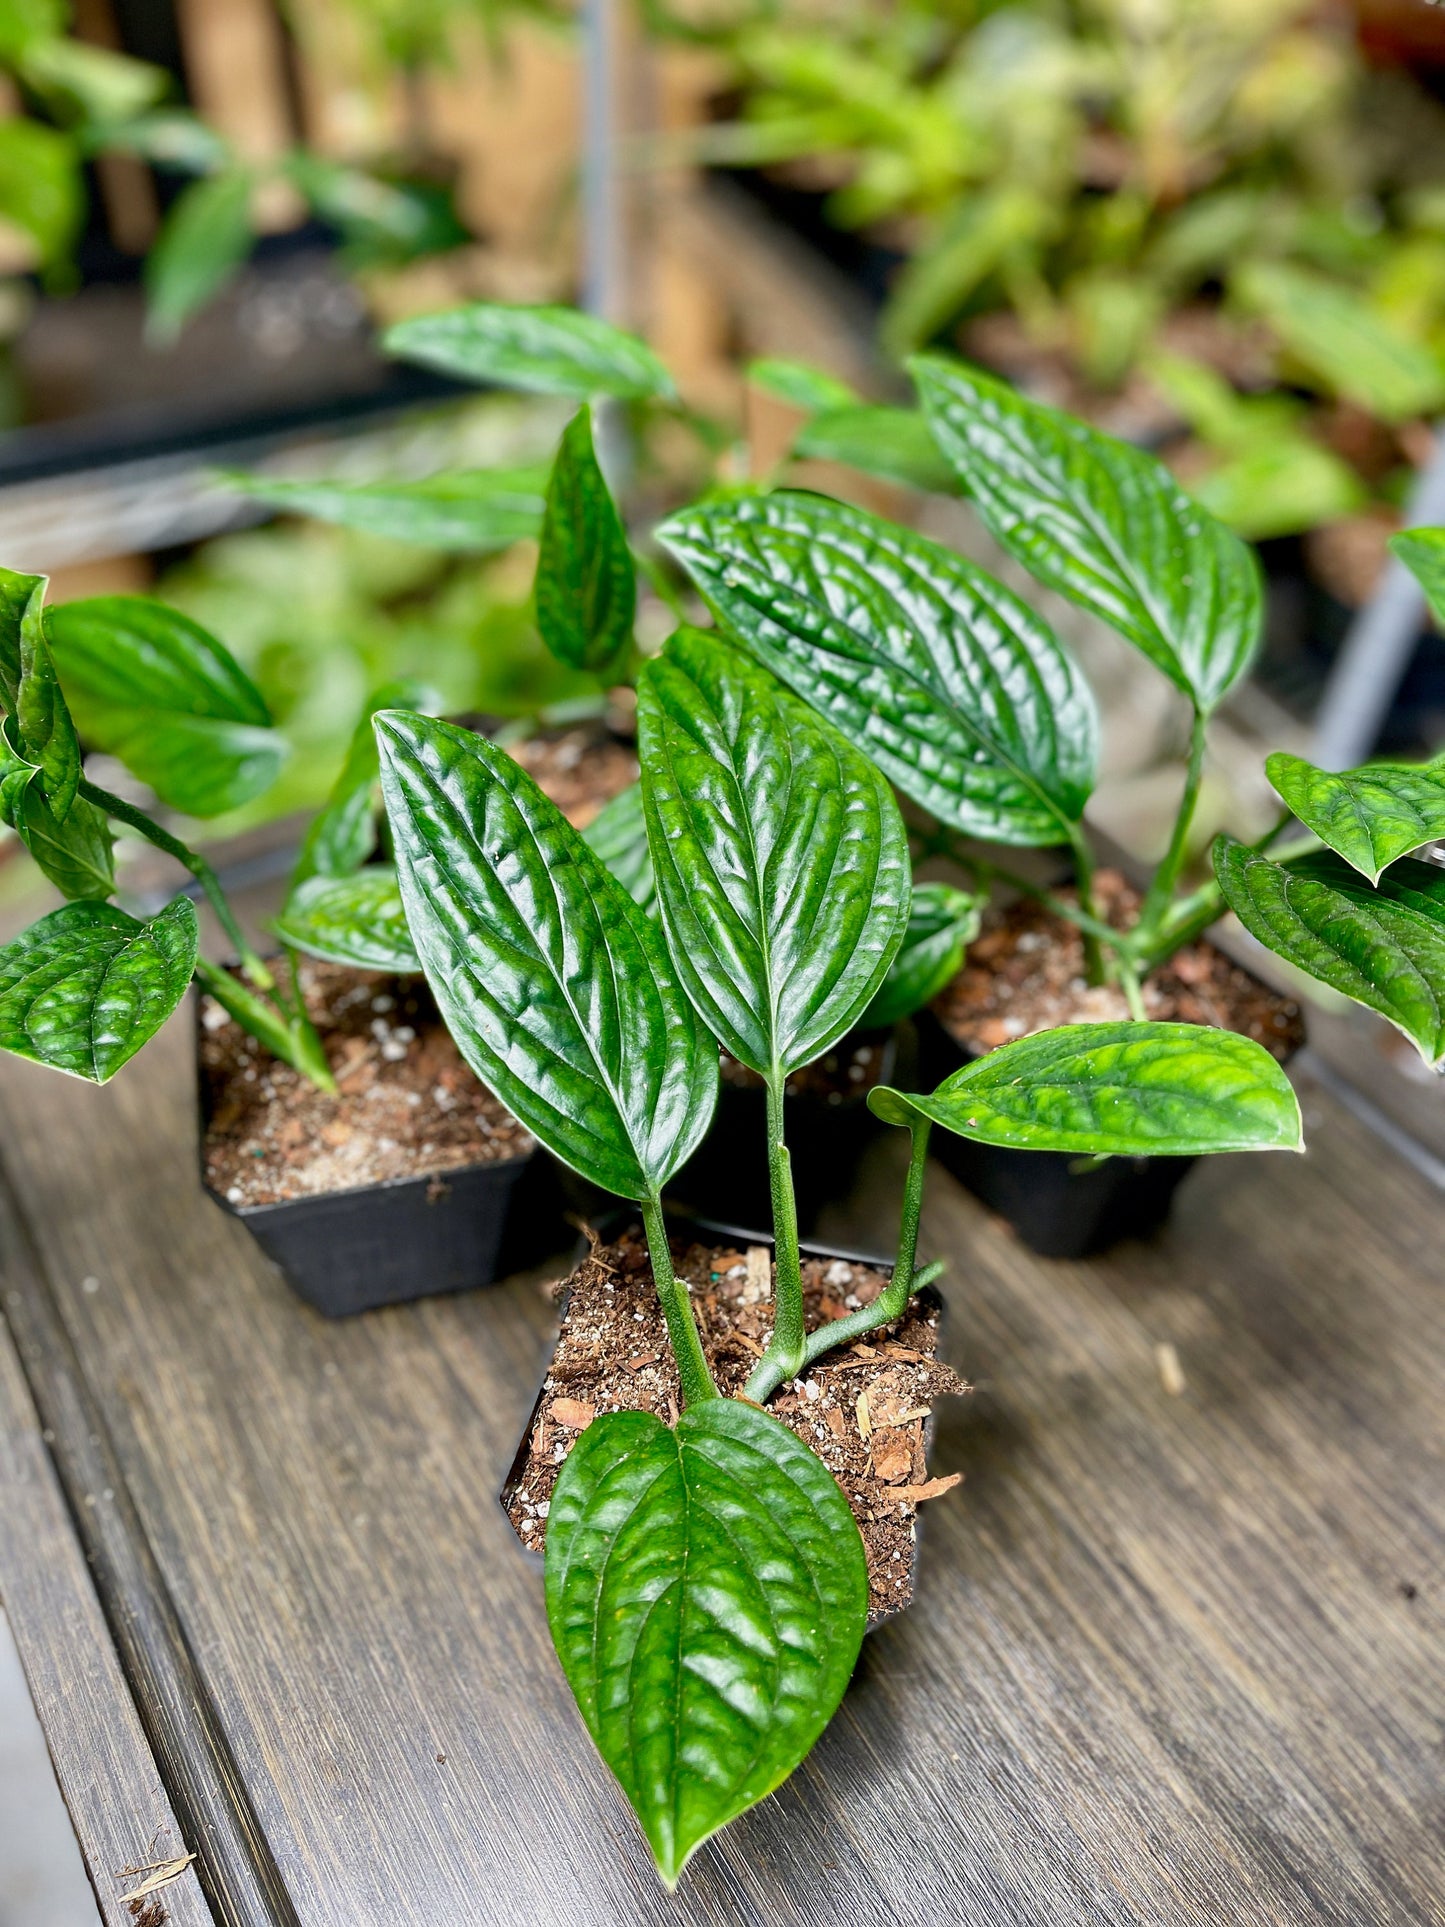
(1120, 1089)
(586, 593)
(38, 729)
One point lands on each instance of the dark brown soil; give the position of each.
(407, 1106)
(1025, 972)
(840, 1076)
(580, 768)
(863, 1409)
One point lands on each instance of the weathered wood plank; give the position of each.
(1179, 1658)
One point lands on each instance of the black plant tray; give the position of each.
(707, 1231)
(388, 1244)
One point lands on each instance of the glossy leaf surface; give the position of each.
(942, 923)
(618, 833)
(543, 350)
(1118, 1089)
(85, 987)
(1103, 523)
(780, 856)
(356, 919)
(1384, 947)
(707, 1592)
(586, 592)
(953, 686)
(556, 987)
(156, 690)
(463, 511)
(77, 855)
(1423, 553)
(1370, 816)
(38, 728)
(342, 834)
(892, 442)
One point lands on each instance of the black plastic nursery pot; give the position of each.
(826, 1134)
(390, 1243)
(707, 1232)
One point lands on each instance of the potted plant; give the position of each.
(968, 702)
(707, 1583)
(351, 1143)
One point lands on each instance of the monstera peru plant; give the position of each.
(707, 1586)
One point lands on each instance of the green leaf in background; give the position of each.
(1423, 553)
(1118, 1089)
(204, 239)
(618, 833)
(956, 689)
(171, 138)
(780, 856)
(42, 191)
(38, 729)
(707, 1592)
(586, 591)
(937, 281)
(1103, 523)
(892, 442)
(464, 512)
(81, 82)
(155, 689)
(799, 384)
(342, 834)
(1370, 816)
(355, 919)
(1352, 348)
(541, 350)
(1384, 947)
(85, 987)
(1284, 487)
(78, 855)
(942, 923)
(556, 987)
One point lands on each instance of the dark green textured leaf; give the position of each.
(85, 987)
(707, 1592)
(557, 988)
(892, 442)
(1103, 523)
(203, 241)
(780, 856)
(942, 923)
(1120, 1089)
(78, 854)
(1384, 947)
(586, 590)
(952, 685)
(543, 350)
(153, 688)
(38, 728)
(1423, 553)
(812, 389)
(342, 834)
(464, 511)
(356, 919)
(618, 833)
(1370, 815)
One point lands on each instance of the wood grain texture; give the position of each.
(1180, 1660)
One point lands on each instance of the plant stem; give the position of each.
(697, 1382)
(785, 1347)
(1161, 890)
(293, 1042)
(1084, 883)
(945, 843)
(125, 812)
(1128, 977)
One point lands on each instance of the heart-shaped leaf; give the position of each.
(154, 689)
(1103, 523)
(780, 856)
(892, 442)
(38, 727)
(543, 350)
(464, 511)
(85, 987)
(618, 833)
(357, 919)
(942, 923)
(1371, 815)
(954, 687)
(77, 855)
(707, 1592)
(556, 987)
(1423, 553)
(1384, 947)
(1122, 1089)
(342, 834)
(586, 592)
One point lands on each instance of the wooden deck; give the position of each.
(1180, 1657)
